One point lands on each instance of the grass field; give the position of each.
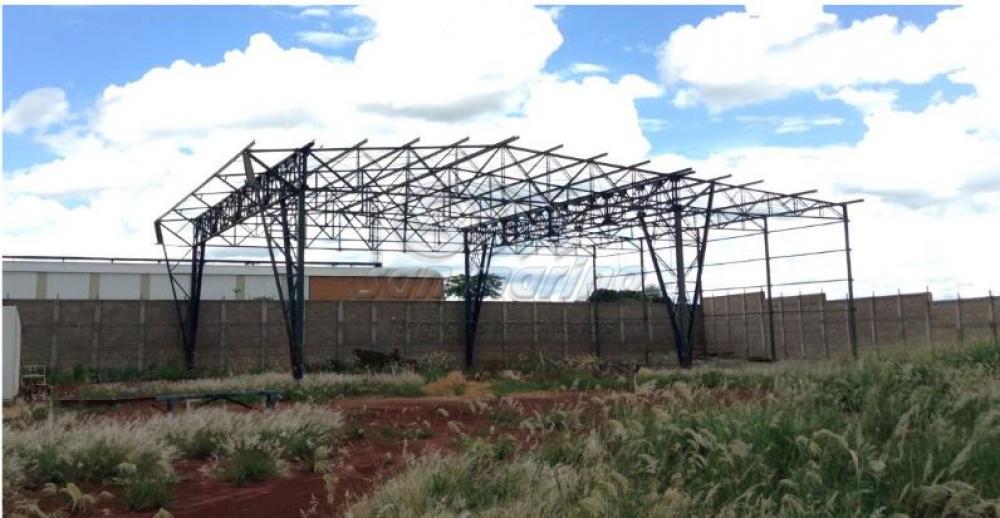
(915, 435)
(906, 434)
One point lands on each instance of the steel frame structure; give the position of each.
(479, 200)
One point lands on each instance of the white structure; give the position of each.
(148, 280)
(11, 353)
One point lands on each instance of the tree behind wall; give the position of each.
(455, 286)
(605, 295)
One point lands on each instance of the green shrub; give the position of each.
(95, 449)
(201, 444)
(43, 464)
(145, 484)
(436, 365)
(144, 494)
(248, 462)
(98, 461)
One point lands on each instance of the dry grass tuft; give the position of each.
(455, 384)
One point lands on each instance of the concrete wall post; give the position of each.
(340, 329)
(802, 327)
(958, 319)
(223, 363)
(901, 333)
(729, 325)
(763, 332)
(784, 335)
(95, 336)
(746, 324)
(874, 323)
(927, 319)
(406, 328)
(54, 345)
(263, 334)
(372, 325)
(993, 319)
(503, 332)
(565, 333)
(822, 325)
(534, 328)
(141, 361)
(621, 330)
(441, 324)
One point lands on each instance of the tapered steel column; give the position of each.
(299, 299)
(470, 331)
(645, 303)
(189, 325)
(852, 325)
(681, 307)
(594, 306)
(770, 305)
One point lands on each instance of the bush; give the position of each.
(435, 365)
(146, 485)
(146, 494)
(201, 444)
(248, 461)
(95, 449)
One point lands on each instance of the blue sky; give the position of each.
(83, 49)
(889, 103)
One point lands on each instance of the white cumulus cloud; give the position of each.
(740, 58)
(930, 176)
(37, 109)
(148, 142)
(588, 68)
(315, 12)
(329, 39)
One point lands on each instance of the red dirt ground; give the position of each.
(382, 432)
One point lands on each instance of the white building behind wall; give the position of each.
(148, 280)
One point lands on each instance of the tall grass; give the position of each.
(137, 453)
(916, 435)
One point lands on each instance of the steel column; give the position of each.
(645, 303)
(189, 325)
(702, 247)
(470, 332)
(292, 248)
(297, 355)
(770, 305)
(595, 309)
(474, 295)
(681, 307)
(667, 301)
(852, 325)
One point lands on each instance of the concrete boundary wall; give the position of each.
(249, 334)
(241, 335)
(811, 326)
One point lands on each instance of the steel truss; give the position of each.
(478, 200)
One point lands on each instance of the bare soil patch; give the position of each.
(382, 432)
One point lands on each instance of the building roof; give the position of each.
(156, 266)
